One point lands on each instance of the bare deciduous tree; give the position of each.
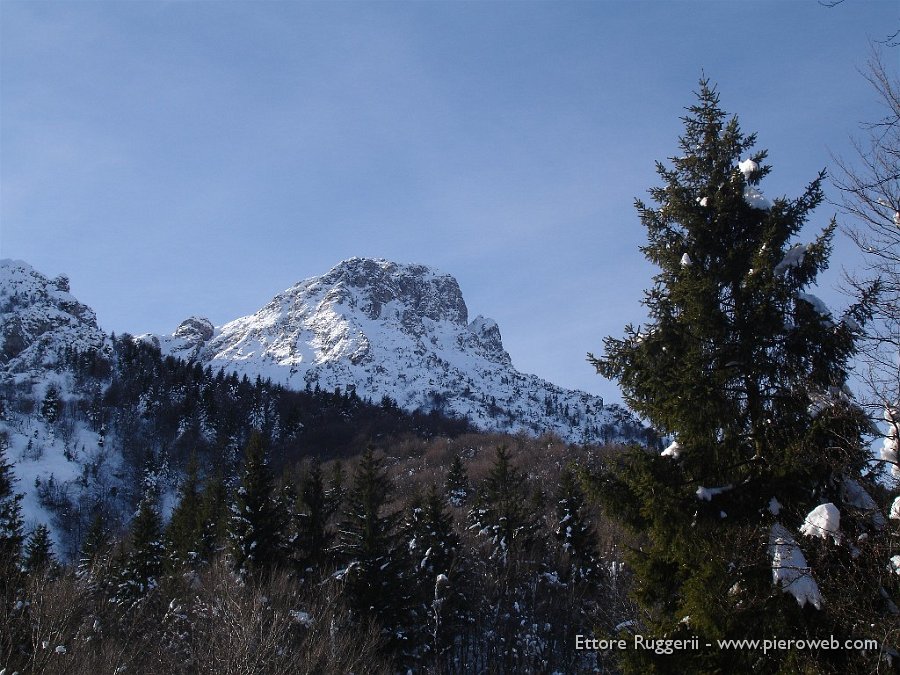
(870, 195)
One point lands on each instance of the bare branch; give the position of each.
(870, 196)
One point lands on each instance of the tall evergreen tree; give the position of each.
(337, 490)
(257, 524)
(16, 631)
(287, 497)
(214, 517)
(502, 516)
(313, 537)
(144, 560)
(368, 545)
(183, 533)
(51, 406)
(11, 536)
(436, 573)
(746, 370)
(96, 545)
(428, 529)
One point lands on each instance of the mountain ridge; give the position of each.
(397, 330)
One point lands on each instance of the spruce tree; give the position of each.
(502, 516)
(96, 546)
(746, 370)
(51, 406)
(336, 491)
(16, 629)
(257, 524)
(287, 497)
(428, 528)
(436, 573)
(214, 518)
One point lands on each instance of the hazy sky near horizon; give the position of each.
(196, 158)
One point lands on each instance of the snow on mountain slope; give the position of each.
(402, 331)
(40, 319)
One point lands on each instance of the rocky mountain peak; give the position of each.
(382, 328)
(372, 284)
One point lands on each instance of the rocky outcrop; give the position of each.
(40, 320)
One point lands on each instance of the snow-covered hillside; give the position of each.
(401, 331)
(41, 325)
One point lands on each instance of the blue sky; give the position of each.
(179, 158)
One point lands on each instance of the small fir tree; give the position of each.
(337, 490)
(458, 487)
(436, 573)
(574, 532)
(287, 497)
(501, 510)
(502, 516)
(428, 528)
(39, 557)
(746, 370)
(313, 512)
(51, 406)
(96, 546)
(214, 517)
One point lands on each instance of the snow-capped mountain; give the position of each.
(395, 330)
(40, 319)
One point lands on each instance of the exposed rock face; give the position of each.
(387, 329)
(187, 341)
(371, 284)
(40, 319)
(195, 329)
(488, 333)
